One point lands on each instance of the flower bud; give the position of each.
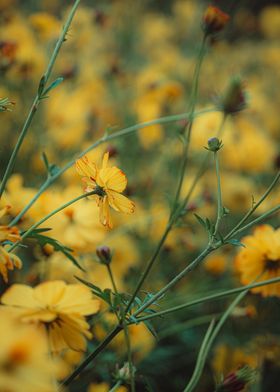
(104, 254)
(214, 20)
(214, 144)
(236, 381)
(234, 99)
(123, 374)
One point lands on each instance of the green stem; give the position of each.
(175, 209)
(196, 373)
(38, 97)
(207, 298)
(27, 232)
(254, 207)
(174, 281)
(207, 344)
(129, 356)
(203, 166)
(257, 220)
(123, 132)
(92, 355)
(116, 386)
(219, 195)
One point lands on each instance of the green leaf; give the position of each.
(151, 329)
(235, 242)
(53, 85)
(200, 220)
(58, 247)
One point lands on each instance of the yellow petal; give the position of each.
(104, 213)
(50, 293)
(44, 316)
(115, 179)
(120, 202)
(86, 168)
(78, 299)
(73, 338)
(56, 339)
(20, 295)
(105, 160)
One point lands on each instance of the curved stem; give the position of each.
(207, 298)
(27, 232)
(38, 97)
(123, 132)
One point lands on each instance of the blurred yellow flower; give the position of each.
(7, 262)
(109, 182)
(24, 365)
(104, 387)
(260, 259)
(60, 308)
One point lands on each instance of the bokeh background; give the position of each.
(126, 62)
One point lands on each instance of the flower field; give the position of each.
(139, 196)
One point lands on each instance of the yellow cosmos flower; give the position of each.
(109, 182)
(24, 365)
(58, 307)
(260, 258)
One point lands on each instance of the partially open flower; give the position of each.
(214, 20)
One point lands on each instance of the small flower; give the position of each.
(108, 182)
(58, 307)
(214, 20)
(236, 381)
(8, 261)
(234, 100)
(5, 104)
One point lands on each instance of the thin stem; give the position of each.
(207, 344)
(193, 100)
(254, 207)
(149, 266)
(27, 232)
(219, 195)
(203, 166)
(123, 132)
(123, 322)
(208, 298)
(129, 356)
(203, 347)
(175, 209)
(92, 355)
(174, 281)
(257, 220)
(109, 269)
(38, 97)
(116, 386)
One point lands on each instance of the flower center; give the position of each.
(100, 191)
(272, 265)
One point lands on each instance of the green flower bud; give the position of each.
(214, 144)
(104, 254)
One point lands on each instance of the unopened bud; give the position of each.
(234, 99)
(123, 374)
(104, 254)
(214, 144)
(236, 381)
(214, 20)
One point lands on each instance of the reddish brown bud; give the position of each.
(214, 20)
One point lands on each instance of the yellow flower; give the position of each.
(109, 182)
(8, 233)
(7, 262)
(60, 308)
(24, 365)
(260, 259)
(104, 387)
